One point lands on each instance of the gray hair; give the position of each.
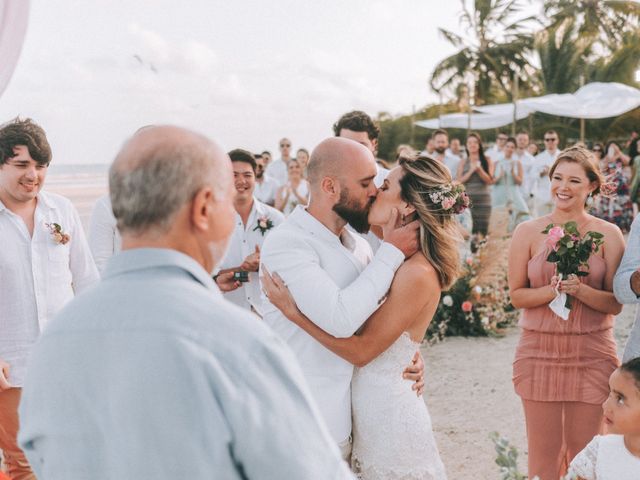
(148, 191)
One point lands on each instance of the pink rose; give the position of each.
(467, 306)
(554, 236)
(57, 237)
(469, 261)
(448, 202)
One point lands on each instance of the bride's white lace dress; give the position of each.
(392, 435)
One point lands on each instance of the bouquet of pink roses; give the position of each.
(570, 252)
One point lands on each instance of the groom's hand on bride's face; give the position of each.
(403, 237)
(415, 372)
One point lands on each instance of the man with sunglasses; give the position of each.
(278, 168)
(495, 152)
(541, 189)
(266, 187)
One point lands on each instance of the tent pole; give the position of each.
(514, 97)
(582, 130)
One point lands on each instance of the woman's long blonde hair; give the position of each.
(439, 230)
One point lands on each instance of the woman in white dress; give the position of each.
(295, 192)
(392, 434)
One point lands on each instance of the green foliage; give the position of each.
(471, 309)
(571, 252)
(507, 458)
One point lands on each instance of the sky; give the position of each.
(245, 73)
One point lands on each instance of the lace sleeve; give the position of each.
(584, 464)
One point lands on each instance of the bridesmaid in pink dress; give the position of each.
(561, 368)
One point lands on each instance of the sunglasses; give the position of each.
(550, 139)
(283, 145)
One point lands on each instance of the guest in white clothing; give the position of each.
(332, 274)
(495, 152)
(253, 222)
(278, 168)
(360, 127)
(522, 154)
(295, 192)
(441, 143)
(266, 187)
(615, 456)
(104, 238)
(44, 262)
(539, 173)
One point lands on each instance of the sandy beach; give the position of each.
(469, 391)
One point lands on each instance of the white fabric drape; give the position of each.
(14, 16)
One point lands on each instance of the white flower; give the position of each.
(477, 289)
(447, 300)
(485, 321)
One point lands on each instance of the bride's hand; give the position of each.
(277, 292)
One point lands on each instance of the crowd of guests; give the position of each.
(564, 371)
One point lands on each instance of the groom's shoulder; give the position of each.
(288, 234)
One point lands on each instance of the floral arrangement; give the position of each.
(570, 251)
(57, 234)
(451, 198)
(470, 308)
(264, 224)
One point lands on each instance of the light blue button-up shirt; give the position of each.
(152, 375)
(622, 287)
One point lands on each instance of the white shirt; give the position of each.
(152, 375)
(265, 191)
(293, 201)
(104, 237)
(494, 154)
(527, 161)
(242, 244)
(605, 458)
(338, 286)
(278, 171)
(38, 276)
(541, 186)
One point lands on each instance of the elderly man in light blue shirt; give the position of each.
(151, 374)
(626, 287)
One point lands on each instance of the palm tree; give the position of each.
(495, 50)
(595, 18)
(621, 64)
(563, 57)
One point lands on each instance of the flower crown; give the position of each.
(452, 199)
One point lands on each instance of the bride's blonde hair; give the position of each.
(423, 180)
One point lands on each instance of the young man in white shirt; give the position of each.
(441, 143)
(522, 154)
(360, 127)
(266, 187)
(254, 221)
(44, 261)
(495, 152)
(541, 190)
(278, 168)
(335, 279)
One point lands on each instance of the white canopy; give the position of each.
(14, 15)
(479, 121)
(595, 100)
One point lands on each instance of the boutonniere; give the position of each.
(264, 224)
(57, 234)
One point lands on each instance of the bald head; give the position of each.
(158, 171)
(338, 157)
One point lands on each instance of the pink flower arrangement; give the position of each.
(448, 202)
(57, 234)
(467, 306)
(553, 237)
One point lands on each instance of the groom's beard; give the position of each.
(352, 213)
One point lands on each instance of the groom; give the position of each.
(332, 274)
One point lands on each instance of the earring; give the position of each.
(590, 200)
(403, 221)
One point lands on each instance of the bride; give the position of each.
(392, 434)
